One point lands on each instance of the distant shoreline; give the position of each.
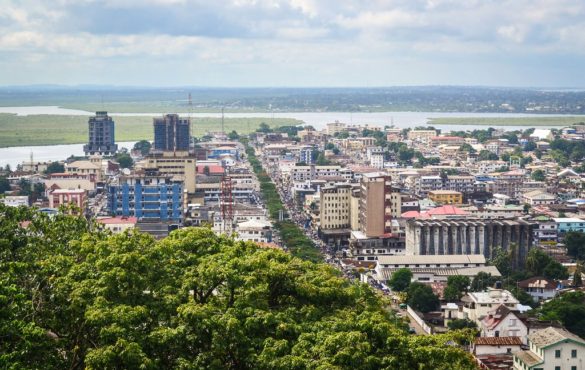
(557, 121)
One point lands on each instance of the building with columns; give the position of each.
(468, 236)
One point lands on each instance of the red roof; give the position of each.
(446, 210)
(498, 341)
(411, 214)
(213, 169)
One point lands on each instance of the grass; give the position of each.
(56, 129)
(508, 121)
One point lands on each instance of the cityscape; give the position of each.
(156, 218)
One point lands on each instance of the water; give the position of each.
(17, 155)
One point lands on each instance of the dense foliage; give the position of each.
(400, 279)
(73, 296)
(569, 309)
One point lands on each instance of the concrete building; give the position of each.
(468, 236)
(446, 197)
(15, 200)
(71, 181)
(539, 288)
(502, 322)
(428, 184)
(179, 165)
(304, 173)
(477, 305)
(88, 168)
(149, 198)
(118, 224)
(462, 184)
(335, 213)
(538, 198)
(255, 231)
(101, 135)
(566, 224)
(172, 133)
(336, 128)
(430, 269)
(496, 346)
(421, 135)
(375, 204)
(551, 349)
(59, 197)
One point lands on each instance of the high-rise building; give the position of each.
(101, 135)
(375, 205)
(172, 133)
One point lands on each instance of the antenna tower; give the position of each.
(226, 202)
(222, 122)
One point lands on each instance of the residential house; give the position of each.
(540, 288)
(551, 349)
(502, 322)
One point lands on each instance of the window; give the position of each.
(557, 368)
(573, 367)
(574, 353)
(557, 353)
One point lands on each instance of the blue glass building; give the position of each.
(149, 198)
(172, 133)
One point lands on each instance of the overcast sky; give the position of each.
(293, 43)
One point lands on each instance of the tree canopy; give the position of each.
(55, 167)
(74, 296)
(400, 279)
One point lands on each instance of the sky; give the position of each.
(249, 43)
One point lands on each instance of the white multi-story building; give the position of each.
(303, 173)
(502, 322)
(477, 305)
(15, 200)
(551, 349)
(429, 183)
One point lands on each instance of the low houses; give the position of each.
(15, 200)
(551, 349)
(446, 196)
(502, 322)
(118, 224)
(566, 224)
(496, 345)
(255, 230)
(539, 288)
(478, 305)
(538, 197)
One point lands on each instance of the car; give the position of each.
(411, 330)
(403, 306)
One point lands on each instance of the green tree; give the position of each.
(233, 135)
(537, 261)
(457, 285)
(556, 271)
(422, 298)
(458, 324)
(264, 128)
(74, 296)
(481, 281)
(529, 146)
(143, 146)
(400, 279)
(55, 167)
(125, 160)
(575, 243)
(569, 309)
(486, 155)
(4, 185)
(538, 175)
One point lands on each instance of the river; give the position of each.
(16, 155)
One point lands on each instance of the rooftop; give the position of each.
(498, 341)
(427, 259)
(551, 335)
